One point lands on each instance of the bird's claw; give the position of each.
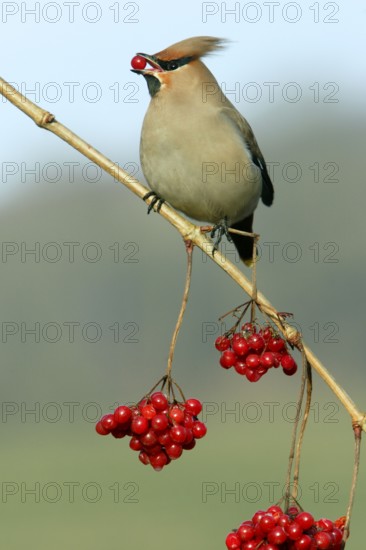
(156, 200)
(222, 229)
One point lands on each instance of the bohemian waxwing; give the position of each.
(197, 152)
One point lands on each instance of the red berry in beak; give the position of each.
(138, 62)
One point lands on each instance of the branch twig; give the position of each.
(189, 231)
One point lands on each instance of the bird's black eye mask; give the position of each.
(173, 64)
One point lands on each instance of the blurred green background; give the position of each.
(102, 289)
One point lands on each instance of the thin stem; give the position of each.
(232, 311)
(357, 432)
(246, 306)
(189, 250)
(162, 381)
(180, 391)
(46, 120)
(294, 433)
(254, 280)
(309, 388)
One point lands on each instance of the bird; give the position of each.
(197, 152)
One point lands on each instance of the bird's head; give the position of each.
(178, 65)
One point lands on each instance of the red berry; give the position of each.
(139, 425)
(267, 523)
(144, 458)
(122, 414)
(277, 535)
(240, 366)
(249, 327)
(305, 519)
(138, 62)
(142, 403)
(284, 520)
(222, 343)
(149, 438)
(160, 422)
(323, 540)
(164, 438)
(228, 359)
(189, 436)
(267, 359)
(240, 346)
(253, 544)
(135, 444)
(258, 516)
(246, 532)
(188, 421)
(158, 461)
(174, 450)
(154, 449)
(189, 446)
(276, 344)
(337, 535)
(159, 400)
(266, 333)
(277, 359)
(252, 361)
(292, 511)
(193, 406)
(340, 522)
(275, 510)
(287, 361)
(118, 432)
(176, 414)
(232, 541)
(148, 411)
(252, 375)
(325, 524)
(261, 370)
(290, 372)
(178, 433)
(256, 342)
(199, 430)
(99, 428)
(303, 543)
(108, 422)
(259, 534)
(294, 531)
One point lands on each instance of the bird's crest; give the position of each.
(195, 47)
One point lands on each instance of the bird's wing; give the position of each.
(252, 145)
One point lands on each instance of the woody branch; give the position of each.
(189, 232)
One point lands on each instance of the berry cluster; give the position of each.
(275, 530)
(252, 353)
(159, 430)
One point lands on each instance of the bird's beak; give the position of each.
(155, 67)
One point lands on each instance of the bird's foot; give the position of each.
(221, 229)
(156, 201)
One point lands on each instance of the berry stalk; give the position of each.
(189, 250)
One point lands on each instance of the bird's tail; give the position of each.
(244, 244)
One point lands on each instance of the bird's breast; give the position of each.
(199, 162)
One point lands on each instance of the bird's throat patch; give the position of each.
(153, 84)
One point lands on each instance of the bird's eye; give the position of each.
(172, 65)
